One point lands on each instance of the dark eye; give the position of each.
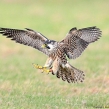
(48, 47)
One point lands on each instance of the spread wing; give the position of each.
(78, 40)
(27, 37)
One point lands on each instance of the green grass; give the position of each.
(22, 86)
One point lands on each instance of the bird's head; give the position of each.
(49, 44)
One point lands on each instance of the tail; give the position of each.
(70, 73)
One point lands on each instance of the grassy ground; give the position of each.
(22, 86)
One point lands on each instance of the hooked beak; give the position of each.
(43, 46)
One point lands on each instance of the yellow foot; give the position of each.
(44, 69)
(37, 66)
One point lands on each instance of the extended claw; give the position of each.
(44, 69)
(37, 66)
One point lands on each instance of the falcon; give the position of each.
(71, 46)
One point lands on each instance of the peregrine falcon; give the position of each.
(71, 46)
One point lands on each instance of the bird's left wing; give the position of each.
(78, 40)
(27, 37)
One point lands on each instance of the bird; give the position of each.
(72, 46)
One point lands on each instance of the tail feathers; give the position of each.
(70, 73)
(78, 74)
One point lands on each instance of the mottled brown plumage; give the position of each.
(27, 37)
(78, 40)
(72, 46)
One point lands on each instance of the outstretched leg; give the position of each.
(56, 65)
(46, 67)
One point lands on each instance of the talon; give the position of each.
(37, 66)
(44, 69)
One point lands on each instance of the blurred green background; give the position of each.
(22, 86)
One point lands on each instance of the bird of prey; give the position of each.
(71, 46)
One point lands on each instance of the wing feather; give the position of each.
(90, 34)
(27, 37)
(78, 40)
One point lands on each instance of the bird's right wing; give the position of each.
(27, 37)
